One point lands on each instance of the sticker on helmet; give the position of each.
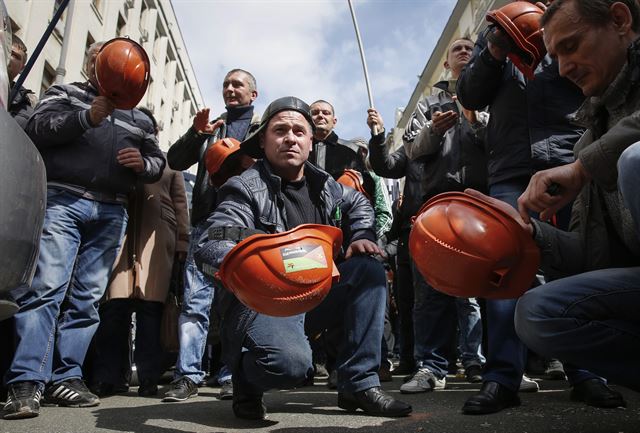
(303, 257)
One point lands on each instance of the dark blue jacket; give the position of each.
(77, 153)
(530, 125)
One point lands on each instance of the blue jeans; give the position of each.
(58, 314)
(507, 354)
(276, 352)
(193, 323)
(436, 318)
(592, 318)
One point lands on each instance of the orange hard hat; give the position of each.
(466, 247)
(521, 21)
(122, 72)
(353, 179)
(286, 273)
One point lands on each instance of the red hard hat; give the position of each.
(122, 72)
(353, 179)
(521, 21)
(286, 273)
(466, 247)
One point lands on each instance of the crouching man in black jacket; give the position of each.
(279, 193)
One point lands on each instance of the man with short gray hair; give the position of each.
(589, 315)
(94, 154)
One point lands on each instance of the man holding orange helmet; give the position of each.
(238, 92)
(530, 104)
(589, 315)
(281, 192)
(94, 154)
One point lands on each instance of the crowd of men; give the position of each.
(557, 143)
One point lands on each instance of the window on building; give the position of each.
(58, 30)
(150, 90)
(56, 5)
(97, 7)
(48, 78)
(90, 41)
(158, 43)
(121, 29)
(15, 28)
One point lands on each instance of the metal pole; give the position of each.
(66, 40)
(364, 61)
(38, 50)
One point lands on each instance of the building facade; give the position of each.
(173, 95)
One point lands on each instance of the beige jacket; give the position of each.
(158, 228)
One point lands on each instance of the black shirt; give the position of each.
(299, 207)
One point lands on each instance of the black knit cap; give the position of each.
(251, 145)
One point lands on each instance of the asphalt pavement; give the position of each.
(314, 409)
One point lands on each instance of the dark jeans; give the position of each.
(507, 354)
(112, 359)
(276, 352)
(405, 298)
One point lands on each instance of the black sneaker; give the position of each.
(23, 400)
(226, 390)
(70, 393)
(181, 389)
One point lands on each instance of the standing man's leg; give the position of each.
(148, 350)
(470, 338)
(102, 233)
(193, 326)
(404, 302)
(506, 355)
(111, 347)
(434, 320)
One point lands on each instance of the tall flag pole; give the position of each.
(374, 130)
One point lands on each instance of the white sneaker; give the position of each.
(422, 381)
(528, 385)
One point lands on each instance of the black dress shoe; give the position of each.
(147, 388)
(247, 406)
(373, 401)
(103, 389)
(595, 392)
(492, 398)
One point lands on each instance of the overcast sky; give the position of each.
(308, 49)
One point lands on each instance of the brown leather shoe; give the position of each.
(373, 401)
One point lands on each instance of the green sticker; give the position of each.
(303, 257)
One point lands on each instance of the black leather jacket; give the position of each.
(254, 200)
